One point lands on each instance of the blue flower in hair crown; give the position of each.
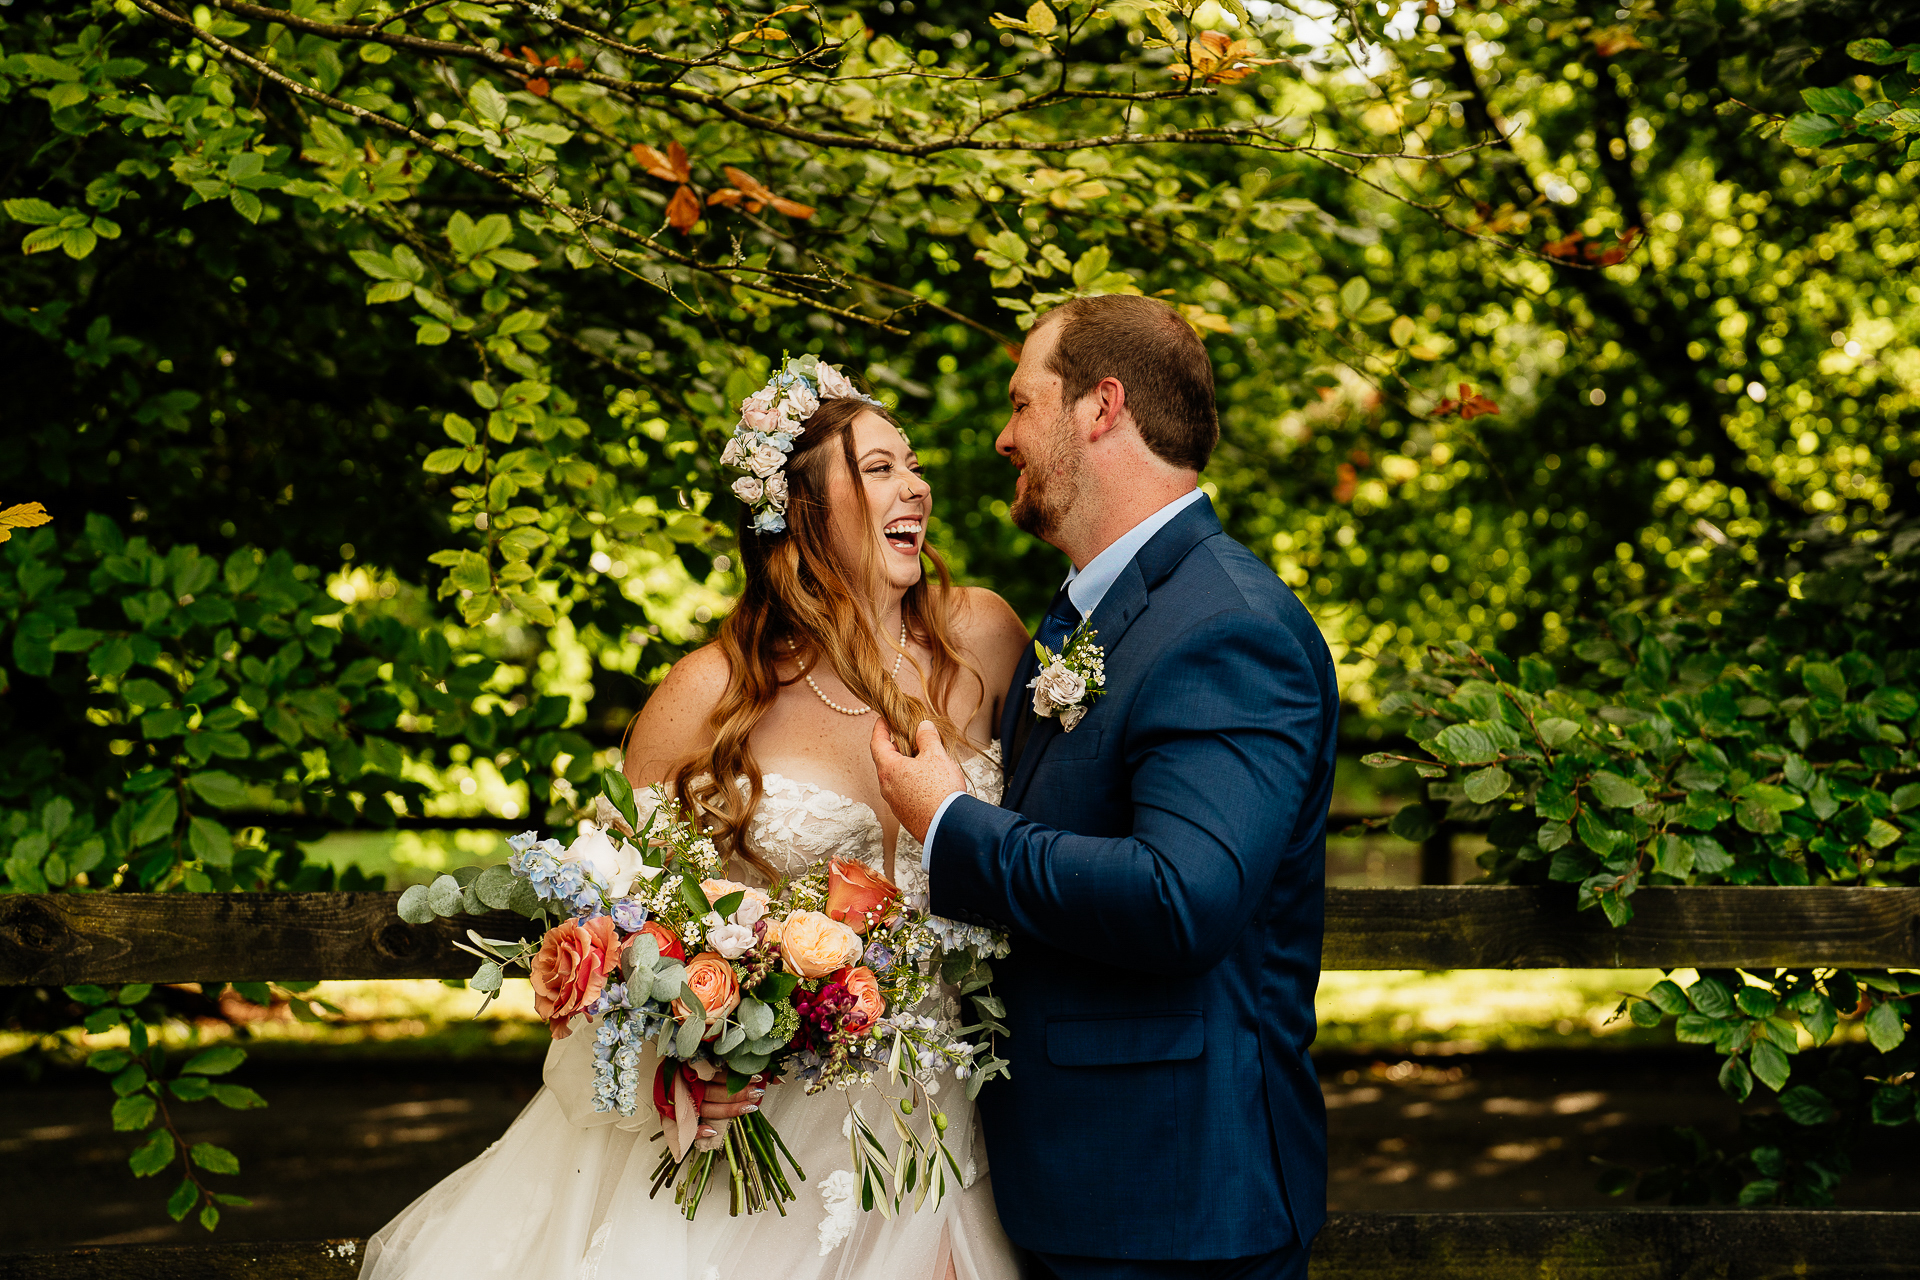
(770, 419)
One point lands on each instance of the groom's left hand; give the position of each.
(915, 785)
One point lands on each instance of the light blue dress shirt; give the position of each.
(1087, 588)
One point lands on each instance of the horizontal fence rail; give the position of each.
(1607, 1244)
(59, 939)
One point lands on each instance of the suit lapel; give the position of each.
(1123, 604)
(1125, 600)
(1016, 705)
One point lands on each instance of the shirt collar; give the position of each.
(1089, 586)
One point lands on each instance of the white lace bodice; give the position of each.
(799, 825)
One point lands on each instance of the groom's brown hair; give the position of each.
(1145, 345)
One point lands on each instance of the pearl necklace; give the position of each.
(851, 711)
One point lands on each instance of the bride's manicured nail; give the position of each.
(752, 1107)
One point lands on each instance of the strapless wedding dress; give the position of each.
(563, 1195)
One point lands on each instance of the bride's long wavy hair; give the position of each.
(802, 600)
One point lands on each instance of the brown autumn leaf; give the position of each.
(1618, 253)
(1567, 248)
(1493, 221)
(1220, 59)
(24, 515)
(1347, 484)
(754, 194)
(1469, 406)
(683, 210)
(1611, 40)
(539, 85)
(674, 166)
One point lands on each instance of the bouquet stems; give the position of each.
(750, 1148)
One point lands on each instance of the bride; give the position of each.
(765, 734)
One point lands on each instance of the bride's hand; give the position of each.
(915, 785)
(717, 1104)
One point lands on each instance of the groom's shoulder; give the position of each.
(1223, 576)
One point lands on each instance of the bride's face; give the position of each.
(890, 506)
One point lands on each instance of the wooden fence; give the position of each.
(55, 940)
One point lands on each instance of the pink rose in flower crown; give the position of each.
(833, 383)
(857, 895)
(813, 945)
(735, 454)
(749, 489)
(765, 460)
(801, 402)
(713, 980)
(570, 970)
(777, 491)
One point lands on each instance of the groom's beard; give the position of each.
(1051, 484)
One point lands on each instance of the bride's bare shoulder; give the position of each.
(989, 631)
(675, 724)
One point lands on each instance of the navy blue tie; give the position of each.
(1062, 617)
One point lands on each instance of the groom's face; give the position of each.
(1040, 440)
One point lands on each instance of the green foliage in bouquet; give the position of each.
(1762, 737)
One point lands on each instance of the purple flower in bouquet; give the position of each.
(878, 958)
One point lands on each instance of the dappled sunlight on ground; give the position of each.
(1467, 1010)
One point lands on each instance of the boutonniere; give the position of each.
(1070, 680)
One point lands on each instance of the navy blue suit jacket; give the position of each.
(1161, 871)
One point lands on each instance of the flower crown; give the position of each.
(770, 418)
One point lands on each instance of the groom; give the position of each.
(1160, 865)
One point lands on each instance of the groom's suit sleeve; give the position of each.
(1220, 744)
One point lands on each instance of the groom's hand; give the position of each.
(915, 785)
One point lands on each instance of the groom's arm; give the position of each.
(1221, 747)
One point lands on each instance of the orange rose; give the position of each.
(570, 970)
(857, 896)
(813, 945)
(868, 1003)
(712, 979)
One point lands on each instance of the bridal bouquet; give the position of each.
(823, 979)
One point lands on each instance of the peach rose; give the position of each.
(713, 980)
(753, 902)
(570, 970)
(868, 1003)
(857, 895)
(814, 945)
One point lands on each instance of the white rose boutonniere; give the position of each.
(1070, 680)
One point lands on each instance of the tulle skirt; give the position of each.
(563, 1195)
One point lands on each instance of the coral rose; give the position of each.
(868, 1003)
(712, 979)
(857, 895)
(570, 970)
(814, 945)
(667, 940)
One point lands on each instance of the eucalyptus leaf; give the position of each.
(414, 905)
(445, 896)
